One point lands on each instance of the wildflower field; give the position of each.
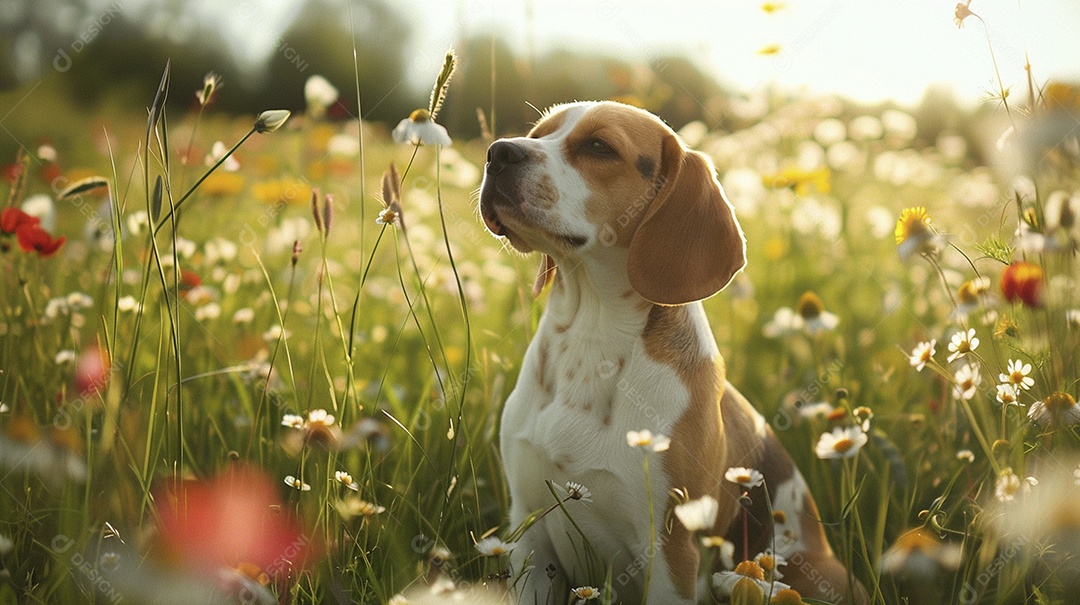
(262, 359)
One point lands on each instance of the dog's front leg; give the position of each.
(538, 579)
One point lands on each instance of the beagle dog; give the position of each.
(634, 230)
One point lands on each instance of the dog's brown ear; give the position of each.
(544, 275)
(689, 244)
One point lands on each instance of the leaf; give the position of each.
(82, 186)
(996, 249)
(159, 99)
(850, 504)
(155, 201)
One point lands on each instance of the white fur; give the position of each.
(570, 425)
(577, 432)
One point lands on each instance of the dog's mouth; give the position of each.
(492, 222)
(506, 215)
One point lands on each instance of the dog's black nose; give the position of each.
(502, 154)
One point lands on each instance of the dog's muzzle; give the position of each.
(504, 160)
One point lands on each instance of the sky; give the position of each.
(870, 50)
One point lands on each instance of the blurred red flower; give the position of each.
(1023, 281)
(234, 519)
(92, 371)
(12, 172)
(27, 230)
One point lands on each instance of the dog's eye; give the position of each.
(598, 147)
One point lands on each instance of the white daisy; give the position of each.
(346, 479)
(645, 438)
(785, 321)
(1017, 375)
(494, 547)
(699, 514)
(967, 380)
(746, 477)
(962, 343)
(840, 443)
(1058, 408)
(1009, 484)
(585, 593)
(1007, 394)
(420, 129)
(292, 421)
(319, 94)
(295, 483)
(320, 417)
(577, 491)
(726, 581)
(771, 563)
(922, 353)
(128, 304)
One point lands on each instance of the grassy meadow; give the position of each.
(251, 383)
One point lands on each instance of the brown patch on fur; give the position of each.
(570, 374)
(541, 368)
(821, 575)
(619, 197)
(543, 193)
(695, 460)
(547, 124)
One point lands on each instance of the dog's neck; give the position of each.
(593, 294)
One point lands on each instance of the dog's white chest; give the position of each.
(578, 394)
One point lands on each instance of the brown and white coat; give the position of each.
(640, 231)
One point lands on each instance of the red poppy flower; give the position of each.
(27, 230)
(35, 239)
(1023, 281)
(13, 219)
(233, 519)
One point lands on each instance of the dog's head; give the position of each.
(591, 176)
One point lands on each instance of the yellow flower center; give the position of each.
(1016, 377)
(742, 479)
(420, 115)
(810, 305)
(498, 550)
(750, 569)
(767, 562)
(914, 222)
(968, 293)
(1059, 402)
(843, 445)
(779, 516)
(787, 596)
